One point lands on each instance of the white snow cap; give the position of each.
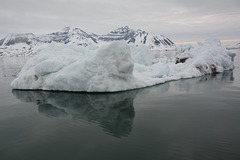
(117, 66)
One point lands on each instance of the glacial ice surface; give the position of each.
(118, 66)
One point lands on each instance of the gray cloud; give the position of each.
(178, 19)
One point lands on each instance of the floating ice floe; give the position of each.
(118, 66)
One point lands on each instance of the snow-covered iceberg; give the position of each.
(118, 66)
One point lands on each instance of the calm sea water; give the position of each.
(187, 119)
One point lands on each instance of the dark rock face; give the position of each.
(123, 33)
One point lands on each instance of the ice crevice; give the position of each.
(118, 66)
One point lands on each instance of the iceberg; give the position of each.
(118, 66)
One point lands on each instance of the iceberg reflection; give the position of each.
(114, 112)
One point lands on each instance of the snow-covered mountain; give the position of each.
(238, 45)
(138, 37)
(235, 46)
(28, 43)
(17, 44)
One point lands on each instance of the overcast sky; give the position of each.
(180, 20)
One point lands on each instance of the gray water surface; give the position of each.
(187, 119)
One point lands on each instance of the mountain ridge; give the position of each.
(27, 43)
